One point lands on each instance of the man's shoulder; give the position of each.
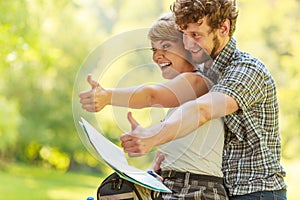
(244, 61)
(241, 58)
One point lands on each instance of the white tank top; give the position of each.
(200, 152)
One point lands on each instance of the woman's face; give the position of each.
(171, 57)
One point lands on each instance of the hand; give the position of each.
(137, 142)
(159, 157)
(95, 99)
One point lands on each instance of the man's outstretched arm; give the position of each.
(183, 121)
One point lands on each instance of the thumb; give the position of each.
(160, 157)
(132, 121)
(92, 82)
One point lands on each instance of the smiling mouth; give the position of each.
(195, 51)
(164, 65)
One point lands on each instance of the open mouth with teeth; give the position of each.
(164, 65)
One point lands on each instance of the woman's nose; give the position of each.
(158, 54)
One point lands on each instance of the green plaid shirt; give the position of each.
(251, 156)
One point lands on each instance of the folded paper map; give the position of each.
(114, 156)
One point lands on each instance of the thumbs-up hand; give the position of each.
(132, 121)
(138, 141)
(96, 98)
(92, 82)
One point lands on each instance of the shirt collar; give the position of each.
(223, 58)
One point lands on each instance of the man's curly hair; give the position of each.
(217, 11)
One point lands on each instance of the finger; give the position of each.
(89, 104)
(130, 142)
(160, 157)
(132, 146)
(89, 108)
(132, 151)
(84, 101)
(92, 82)
(160, 178)
(132, 121)
(126, 137)
(87, 94)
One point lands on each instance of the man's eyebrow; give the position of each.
(200, 22)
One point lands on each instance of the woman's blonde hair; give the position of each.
(164, 28)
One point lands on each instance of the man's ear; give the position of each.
(225, 27)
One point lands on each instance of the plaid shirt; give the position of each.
(251, 156)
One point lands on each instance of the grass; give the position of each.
(33, 183)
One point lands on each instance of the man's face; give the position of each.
(201, 41)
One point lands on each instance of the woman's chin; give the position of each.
(168, 75)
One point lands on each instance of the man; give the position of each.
(244, 93)
(200, 177)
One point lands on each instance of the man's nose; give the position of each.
(188, 42)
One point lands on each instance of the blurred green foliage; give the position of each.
(43, 44)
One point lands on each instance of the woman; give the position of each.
(190, 166)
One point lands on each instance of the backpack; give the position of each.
(114, 187)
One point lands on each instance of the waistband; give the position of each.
(191, 176)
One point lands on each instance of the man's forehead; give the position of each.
(192, 27)
(196, 26)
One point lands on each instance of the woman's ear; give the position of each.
(225, 27)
